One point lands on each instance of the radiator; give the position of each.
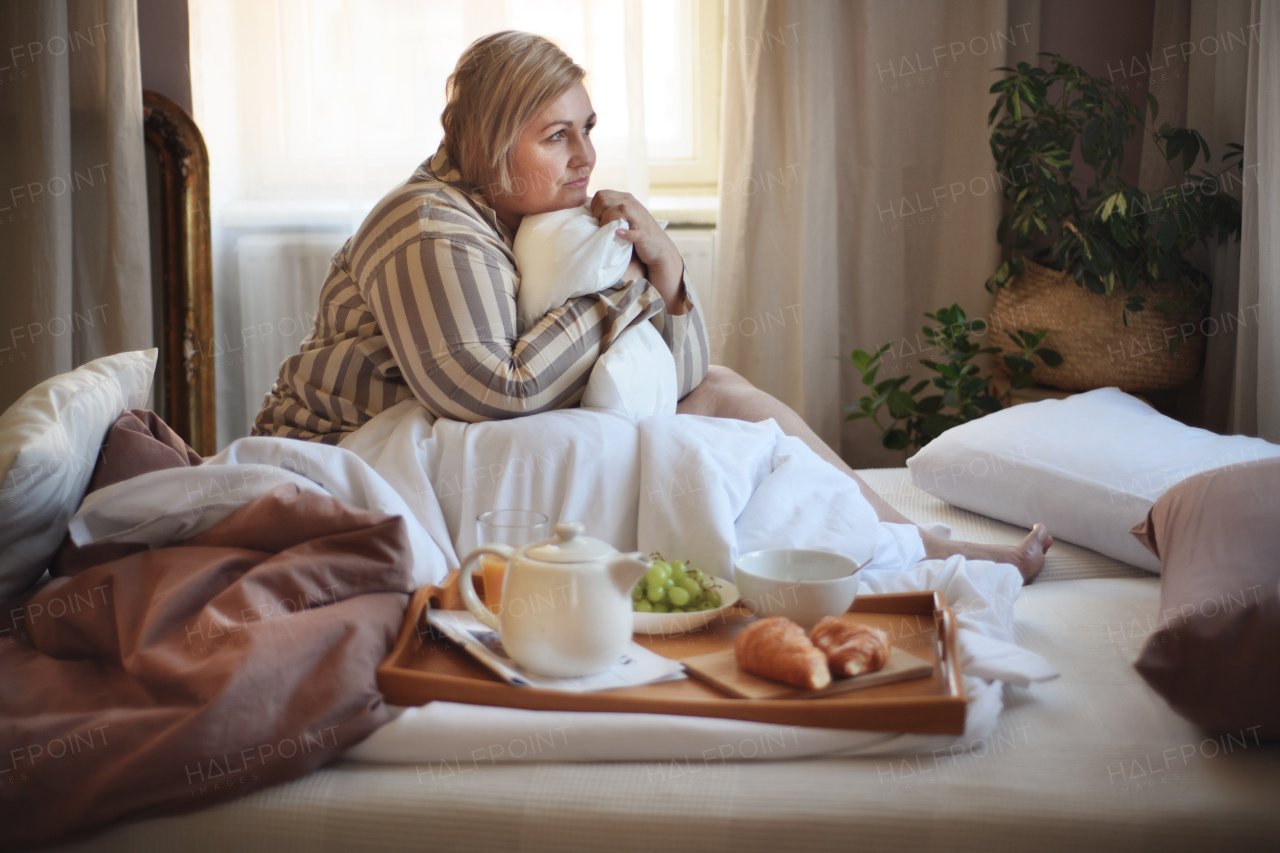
(280, 278)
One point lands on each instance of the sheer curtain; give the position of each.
(313, 109)
(856, 190)
(1256, 403)
(73, 219)
(1210, 54)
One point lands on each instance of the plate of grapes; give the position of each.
(674, 597)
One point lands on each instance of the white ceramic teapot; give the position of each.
(566, 602)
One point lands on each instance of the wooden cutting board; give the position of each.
(720, 670)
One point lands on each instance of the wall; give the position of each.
(164, 49)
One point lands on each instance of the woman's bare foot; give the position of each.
(1027, 555)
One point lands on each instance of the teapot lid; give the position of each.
(570, 546)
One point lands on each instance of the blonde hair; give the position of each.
(502, 81)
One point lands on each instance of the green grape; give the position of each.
(673, 586)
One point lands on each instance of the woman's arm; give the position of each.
(447, 308)
(686, 335)
(658, 259)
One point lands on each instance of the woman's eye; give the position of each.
(556, 137)
(586, 131)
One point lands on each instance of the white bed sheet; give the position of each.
(1092, 760)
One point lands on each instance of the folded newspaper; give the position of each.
(637, 665)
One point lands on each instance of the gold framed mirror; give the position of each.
(183, 293)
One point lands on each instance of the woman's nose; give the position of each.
(583, 153)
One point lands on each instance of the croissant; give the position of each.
(851, 649)
(777, 648)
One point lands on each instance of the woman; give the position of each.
(421, 301)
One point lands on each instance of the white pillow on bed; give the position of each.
(1089, 467)
(49, 442)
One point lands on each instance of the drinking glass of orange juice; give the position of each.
(514, 527)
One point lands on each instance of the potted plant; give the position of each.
(960, 392)
(1126, 251)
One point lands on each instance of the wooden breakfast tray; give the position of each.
(423, 667)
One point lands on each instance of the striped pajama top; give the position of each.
(421, 302)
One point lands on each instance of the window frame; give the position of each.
(701, 174)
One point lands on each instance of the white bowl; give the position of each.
(800, 584)
(683, 623)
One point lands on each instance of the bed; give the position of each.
(1094, 759)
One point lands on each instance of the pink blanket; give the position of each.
(167, 680)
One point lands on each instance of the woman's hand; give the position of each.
(653, 247)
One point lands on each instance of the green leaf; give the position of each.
(901, 404)
(987, 403)
(935, 425)
(1168, 231)
(1017, 363)
(1155, 106)
(1052, 358)
(1109, 205)
(1190, 149)
(929, 405)
(895, 439)
(861, 359)
(918, 387)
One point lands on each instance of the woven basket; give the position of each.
(1098, 349)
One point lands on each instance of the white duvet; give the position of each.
(703, 489)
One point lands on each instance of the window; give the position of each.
(338, 99)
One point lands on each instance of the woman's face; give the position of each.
(552, 161)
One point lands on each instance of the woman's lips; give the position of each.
(581, 182)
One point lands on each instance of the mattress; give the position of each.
(1094, 759)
